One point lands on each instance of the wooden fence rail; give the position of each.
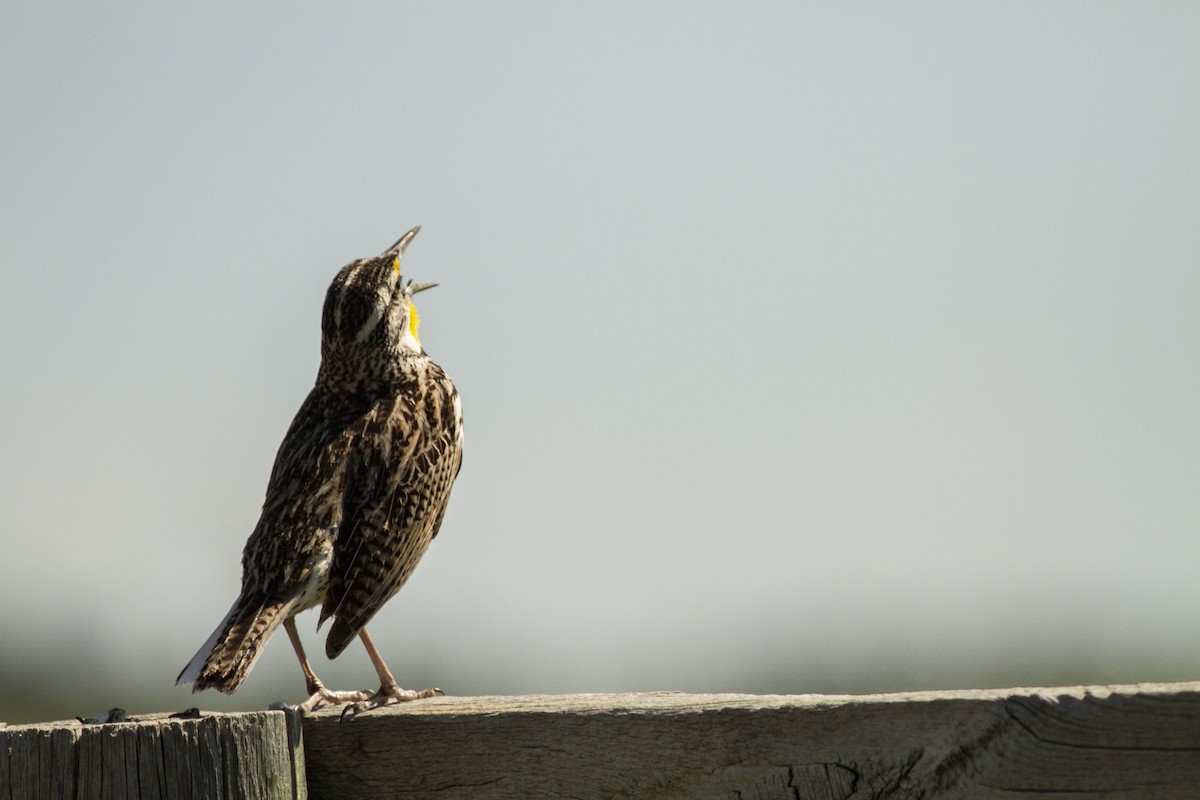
(1102, 742)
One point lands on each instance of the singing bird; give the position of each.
(357, 493)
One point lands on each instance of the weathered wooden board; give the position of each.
(1100, 742)
(225, 756)
(1125, 742)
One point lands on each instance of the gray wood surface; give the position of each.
(1104, 743)
(1098, 742)
(226, 756)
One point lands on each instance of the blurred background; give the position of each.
(803, 347)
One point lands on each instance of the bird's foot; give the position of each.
(386, 696)
(324, 697)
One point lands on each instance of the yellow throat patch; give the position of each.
(414, 321)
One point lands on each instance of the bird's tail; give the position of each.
(224, 661)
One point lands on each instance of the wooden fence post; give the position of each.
(226, 756)
(1102, 742)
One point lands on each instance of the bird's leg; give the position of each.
(318, 695)
(389, 691)
(312, 683)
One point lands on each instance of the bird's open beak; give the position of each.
(401, 243)
(420, 287)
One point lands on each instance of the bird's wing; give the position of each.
(399, 470)
(303, 500)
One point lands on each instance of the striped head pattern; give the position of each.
(369, 308)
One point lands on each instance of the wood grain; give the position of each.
(1102, 742)
(226, 756)
(1123, 742)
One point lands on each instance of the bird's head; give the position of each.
(369, 307)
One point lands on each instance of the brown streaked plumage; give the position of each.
(358, 490)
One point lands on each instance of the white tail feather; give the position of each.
(196, 665)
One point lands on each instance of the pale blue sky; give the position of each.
(803, 347)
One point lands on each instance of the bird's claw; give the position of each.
(324, 697)
(386, 696)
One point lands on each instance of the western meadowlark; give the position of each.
(358, 490)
